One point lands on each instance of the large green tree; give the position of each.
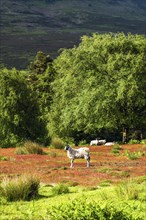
(41, 75)
(100, 85)
(19, 111)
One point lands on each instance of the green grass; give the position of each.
(106, 200)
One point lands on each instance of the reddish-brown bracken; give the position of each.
(54, 166)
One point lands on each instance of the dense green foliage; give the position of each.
(100, 85)
(19, 111)
(41, 74)
(126, 201)
(25, 98)
(94, 89)
(83, 209)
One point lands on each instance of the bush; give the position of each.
(3, 158)
(29, 147)
(82, 143)
(133, 141)
(82, 209)
(20, 188)
(60, 189)
(57, 143)
(134, 155)
(143, 141)
(116, 149)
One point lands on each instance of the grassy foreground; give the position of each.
(126, 201)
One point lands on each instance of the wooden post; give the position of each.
(124, 135)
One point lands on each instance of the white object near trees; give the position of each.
(97, 142)
(109, 143)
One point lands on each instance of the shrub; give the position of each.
(57, 143)
(117, 146)
(20, 188)
(143, 141)
(134, 155)
(3, 158)
(82, 209)
(60, 189)
(82, 143)
(29, 147)
(116, 149)
(133, 141)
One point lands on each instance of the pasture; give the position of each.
(93, 188)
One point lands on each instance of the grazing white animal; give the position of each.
(97, 142)
(77, 154)
(109, 143)
(94, 142)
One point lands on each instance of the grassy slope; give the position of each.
(49, 26)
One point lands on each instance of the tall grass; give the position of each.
(57, 143)
(30, 147)
(60, 189)
(128, 190)
(20, 188)
(116, 149)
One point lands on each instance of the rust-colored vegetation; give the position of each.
(54, 166)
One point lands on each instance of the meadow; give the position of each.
(112, 188)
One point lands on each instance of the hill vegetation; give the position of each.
(49, 25)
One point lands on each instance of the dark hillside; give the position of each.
(31, 25)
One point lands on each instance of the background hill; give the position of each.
(28, 26)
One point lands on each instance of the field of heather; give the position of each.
(54, 166)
